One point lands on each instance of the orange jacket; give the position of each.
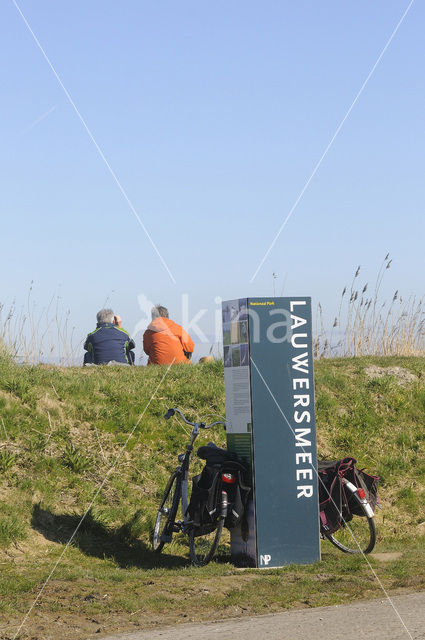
(164, 342)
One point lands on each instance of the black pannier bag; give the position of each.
(205, 501)
(334, 500)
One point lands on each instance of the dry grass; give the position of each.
(31, 335)
(366, 325)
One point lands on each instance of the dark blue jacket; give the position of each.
(109, 342)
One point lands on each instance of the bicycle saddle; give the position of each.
(213, 454)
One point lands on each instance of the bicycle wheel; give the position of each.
(166, 516)
(202, 548)
(358, 535)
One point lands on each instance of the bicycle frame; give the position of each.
(184, 459)
(184, 474)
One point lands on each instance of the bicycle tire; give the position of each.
(166, 514)
(202, 548)
(358, 535)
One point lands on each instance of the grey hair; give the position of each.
(105, 315)
(158, 311)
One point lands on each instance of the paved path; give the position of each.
(374, 620)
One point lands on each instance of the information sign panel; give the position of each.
(268, 370)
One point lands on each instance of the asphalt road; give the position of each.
(374, 620)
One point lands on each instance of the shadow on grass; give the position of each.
(95, 538)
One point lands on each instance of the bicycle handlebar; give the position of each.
(201, 425)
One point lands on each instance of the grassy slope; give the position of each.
(60, 432)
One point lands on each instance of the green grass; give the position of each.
(61, 430)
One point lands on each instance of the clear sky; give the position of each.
(212, 116)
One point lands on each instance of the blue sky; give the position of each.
(213, 117)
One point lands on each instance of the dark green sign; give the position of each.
(271, 423)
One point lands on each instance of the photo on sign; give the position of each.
(243, 331)
(234, 332)
(243, 309)
(234, 311)
(227, 356)
(226, 334)
(244, 355)
(236, 356)
(226, 314)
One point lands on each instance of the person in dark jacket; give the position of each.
(109, 342)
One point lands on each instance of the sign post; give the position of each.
(268, 371)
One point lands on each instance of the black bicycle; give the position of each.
(201, 547)
(347, 499)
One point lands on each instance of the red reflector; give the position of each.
(361, 493)
(228, 477)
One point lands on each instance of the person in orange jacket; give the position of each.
(166, 342)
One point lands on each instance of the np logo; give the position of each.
(265, 559)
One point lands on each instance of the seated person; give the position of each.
(109, 342)
(166, 342)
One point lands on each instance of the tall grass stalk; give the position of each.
(31, 336)
(366, 325)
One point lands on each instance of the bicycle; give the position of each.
(345, 497)
(342, 498)
(201, 547)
